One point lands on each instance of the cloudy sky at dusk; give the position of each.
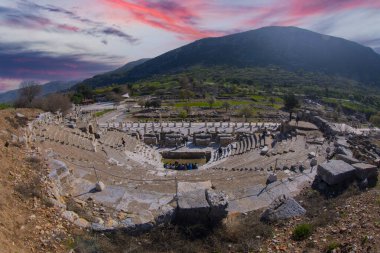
(48, 40)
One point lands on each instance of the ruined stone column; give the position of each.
(183, 123)
(233, 129)
(205, 123)
(220, 124)
(188, 132)
(190, 124)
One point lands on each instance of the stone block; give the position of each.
(343, 151)
(283, 208)
(347, 159)
(336, 172)
(218, 202)
(364, 170)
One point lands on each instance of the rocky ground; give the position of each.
(347, 223)
(27, 222)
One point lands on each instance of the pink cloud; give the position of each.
(294, 11)
(165, 15)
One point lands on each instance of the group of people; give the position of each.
(181, 166)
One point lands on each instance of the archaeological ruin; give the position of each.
(117, 171)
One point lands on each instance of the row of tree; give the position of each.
(29, 97)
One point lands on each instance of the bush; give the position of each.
(302, 231)
(332, 246)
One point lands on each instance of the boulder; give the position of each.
(343, 151)
(264, 150)
(335, 172)
(166, 214)
(313, 162)
(312, 155)
(283, 208)
(70, 216)
(347, 159)
(271, 179)
(364, 170)
(19, 115)
(218, 202)
(100, 186)
(82, 223)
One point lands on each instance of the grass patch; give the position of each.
(302, 231)
(217, 104)
(332, 246)
(5, 106)
(101, 113)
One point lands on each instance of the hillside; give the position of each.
(27, 222)
(48, 88)
(290, 48)
(114, 76)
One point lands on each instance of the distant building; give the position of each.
(126, 95)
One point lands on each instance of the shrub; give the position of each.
(302, 231)
(332, 246)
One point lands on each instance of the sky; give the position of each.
(46, 40)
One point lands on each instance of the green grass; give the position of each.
(349, 105)
(302, 231)
(217, 104)
(5, 106)
(104, 89)
(332, 246)
(101, 113)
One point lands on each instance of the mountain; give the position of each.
(129, 66)
(116, 76)
(290, 48)
(48, 88)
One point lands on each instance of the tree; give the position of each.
(28, 91)
(86, 91)
(375, 119)
(155, 103)
(246, 111)
(141, 102)
(226, 105)
(57, 102)
(290, 103)
(186, 94)
(183, 114)
(187, 108)
(211, 101)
